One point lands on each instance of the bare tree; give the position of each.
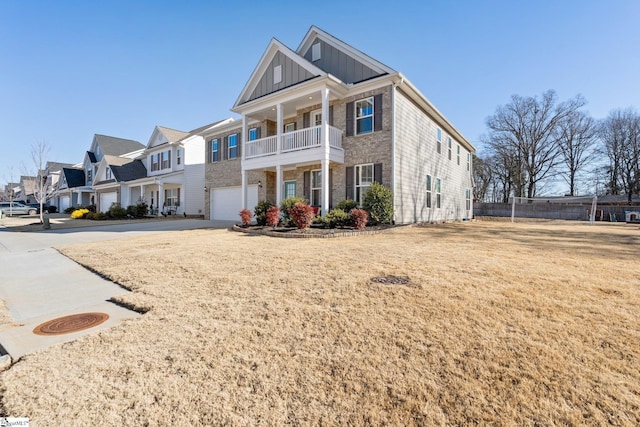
(42, 188)
(620, 136)
(577, 137)
(524, 132)
(482, 177)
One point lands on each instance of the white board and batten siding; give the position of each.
(106, 199)
(226, 203)
(416, 156)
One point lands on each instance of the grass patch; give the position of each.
(505, 324)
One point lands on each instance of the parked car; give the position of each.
(36, 206)
(17, 208)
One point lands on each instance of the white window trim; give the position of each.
(230, 147)
(467, 196)
(438, 191)
(439, 141)
(357, 176)
(458, 153)
(449, 146)
(356, 118)
(253, 129)
(215, 149)
(311, 188)
(178, 156)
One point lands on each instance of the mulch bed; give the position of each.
(314, 232)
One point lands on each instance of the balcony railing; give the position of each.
(293, 141)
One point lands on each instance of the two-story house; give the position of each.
(170, 173)
(324, 122)
(92, 182)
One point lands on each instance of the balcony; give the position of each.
(296, 141)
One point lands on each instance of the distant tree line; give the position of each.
(534, 140)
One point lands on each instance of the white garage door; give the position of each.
(64, 204)
(226, 203)
(106, 199)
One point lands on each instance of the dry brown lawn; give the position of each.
(501, 324)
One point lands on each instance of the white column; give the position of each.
(244, 138)
(244, 189)
(142, 195)
(160, 198)
(279, 128)
(278, 184)
(325, 186)
(325, 118)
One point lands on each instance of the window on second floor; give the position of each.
(233, 146)
(155, 163)
(439, 140)
(458, 152)
(89, 175)
(108, 174)
(179, 156)
(165, 159)
(254, 133)
(364, 116)
(215, 150)
(449, 144)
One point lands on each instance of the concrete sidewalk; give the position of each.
(38, 284)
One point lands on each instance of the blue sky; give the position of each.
(70, 69)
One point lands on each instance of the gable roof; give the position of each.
(74, 177)
(172, 135)
(209, 126)
(110, 145)
(130, 171)
(296, 69)
(116, 160)
(340, 59)
(56, 166)
(92, 156)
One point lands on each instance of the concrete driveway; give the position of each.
(39, 285)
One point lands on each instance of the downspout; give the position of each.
(393, 143)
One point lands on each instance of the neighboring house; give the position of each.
(27, 189)
(10, 191)
(66, 195)
(53, 171)
(174, 178)
(324, 122)
(96, 189)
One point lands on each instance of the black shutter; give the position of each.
(349, 181)
(239, 144)
(350, 119)
(377, 173)
(307, 186)
(209, 153)
(330, 115)
(377, 112)
(330, 190)
(259, 133)
(225, 152)
(306, 120)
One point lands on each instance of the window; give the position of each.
(107, 173)
(428, 186)
(233, 146)
(89, 175)
(449, 146)
(438, 191)
(364, 178)
(364, 116)
(215, 152)
(165, 159)
(277, 74)
(253, 134)
(289, 127)
(458, 150)
(316, 188)
(155, 162)
(289, 189)
(179, 156)
(468, 198)
(172, 197)
(468, 161)
(439, 140)
(315, 52)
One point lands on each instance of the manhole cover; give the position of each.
(391, 280)
(69, 324)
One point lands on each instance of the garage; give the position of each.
(64, 203)
(106, 200)
(226, 203)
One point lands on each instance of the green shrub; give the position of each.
(337, 218)
(97, 216)
(378, 202)
(346, 205)
(287, 204)
(70, 210)
(116, 211)
(138, 210)
(52, 209)
(260, 211)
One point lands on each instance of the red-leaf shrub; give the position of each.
(302, 215)
(359, 218)
(245, 217)
(273, 216)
